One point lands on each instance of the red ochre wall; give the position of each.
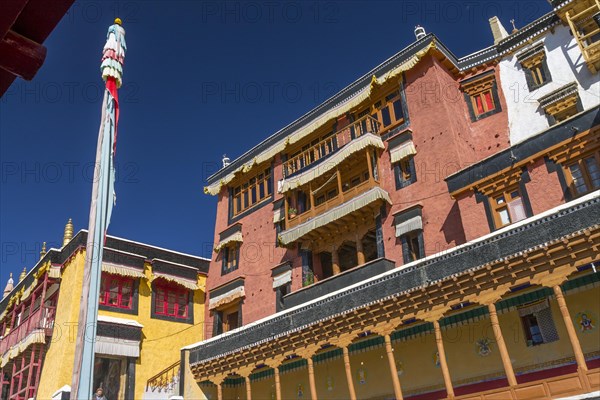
(446, 141)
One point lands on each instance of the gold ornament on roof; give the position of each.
(68, 235)
(23, 274)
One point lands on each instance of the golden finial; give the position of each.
(512, 21)
(373, 80)
(68, 232)
(43, 252)
(23, 274)
(10, 285)
(118, 21)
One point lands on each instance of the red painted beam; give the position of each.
(21, 56)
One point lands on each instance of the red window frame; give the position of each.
(122, 294)
(169, 299)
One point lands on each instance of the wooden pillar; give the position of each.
(443, 363)
(391, 360)
(339, 182)
(335, 261)
(219, 391)
(369, 166)
(579, 357)
(360, 253)
(349, 373)
(248, 388)
(277, 384)
(508, 369)
(311, 378)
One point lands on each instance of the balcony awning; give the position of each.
(122, 270)
(364, 141)
(226, 297)
(410, 225)
(234, 237)
(36, 336)
(185, 282)
(282, 279)
(403, 151)
(117, 347)
(361, 97)
(360, 201)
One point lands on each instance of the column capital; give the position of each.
(244, 371)
(553, 278)
(308, 351)
(218, 379)
(386, 328)
(434, 314)
(343, 341)
(275, 361)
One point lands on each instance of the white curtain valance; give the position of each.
(344, 106)
(117, 347)
(282, 279)
(54, 272)
(374, 194)
(403, 151)
(186, 283)
(354, 146)
(409, 225)
(278, 215)
(226, 297)
(122, 270)
(234, 237)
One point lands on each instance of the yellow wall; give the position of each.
(161, 340)
(57, 369)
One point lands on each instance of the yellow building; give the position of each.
(151, 304)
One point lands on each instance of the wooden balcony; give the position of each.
(341, 198)
(582, 18)
(42, 318)
(166, 381)
(330, 145)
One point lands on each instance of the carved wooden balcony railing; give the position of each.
(583, 20)
(41, 318)
(330, 144)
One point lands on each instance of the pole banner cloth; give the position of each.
(103, 198)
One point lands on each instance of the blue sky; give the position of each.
(201, 79)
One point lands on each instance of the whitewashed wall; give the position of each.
(566, 65)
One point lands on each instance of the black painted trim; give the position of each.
(507, 157)
(481, 198)
(119, 331)
(405, 215)
(234, 284)
(181, 271)
(400, 138)
(552, 167)
(130, 382)
(134, 301)
(402, 281)
(230, 231)
(281, 268)
(496, 110)
(182, 367)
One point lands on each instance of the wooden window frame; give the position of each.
(496, 207)
(160, 303)
(230, 258)
(536, 68)
(476, 88)
(252, 192)
(530, 338)
(225, 313)
(584, 169)
(413, 246)
(105, 285)
(388, 102)
(405, 173)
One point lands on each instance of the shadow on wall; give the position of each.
(453, 227)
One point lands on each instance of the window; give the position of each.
(412, 246)
(116, 291)
(561, 104)
(405, 173)
(229, 319)
(507, 207)
(583, 176)
(171, 301)
(388, 110)
(536, 69)
(280, 292)
(231, 256)
(255, 190)
(538, 324)
(481, 95)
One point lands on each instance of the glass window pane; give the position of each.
(479, 104)
(126, 292)
(171, 297)
(500, 200)
(398, 113)
(504, 217)
(489, 102)
(113, 296)
(385, 116)
(159, 301)
(578, 181)
(593, 171)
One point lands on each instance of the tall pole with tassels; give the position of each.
(103, 196)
